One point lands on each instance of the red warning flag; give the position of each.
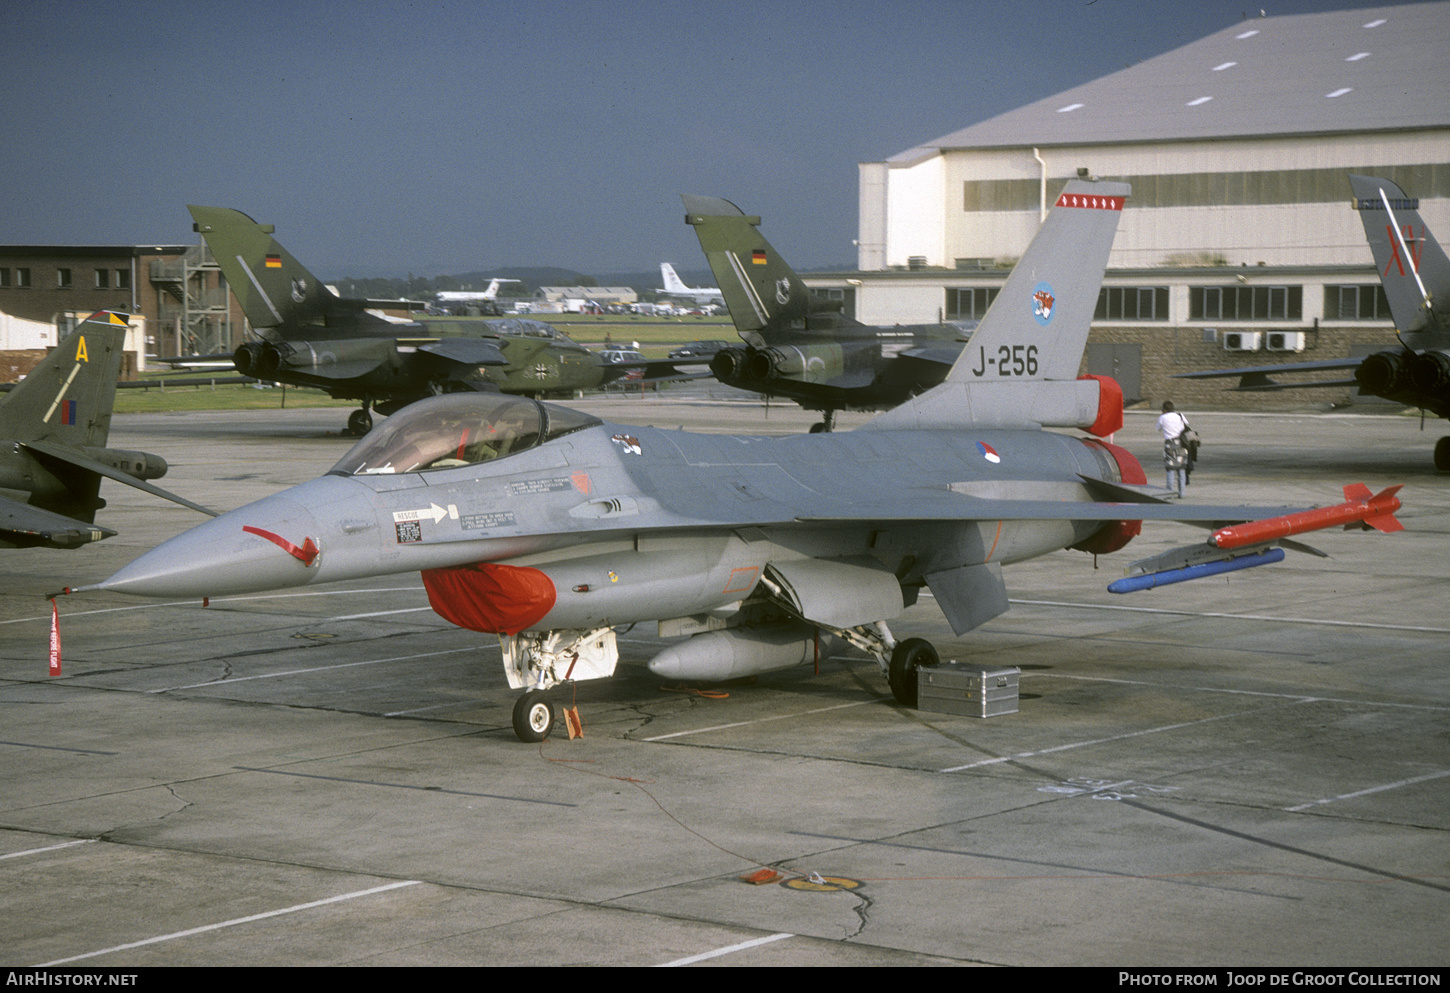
(54, 639)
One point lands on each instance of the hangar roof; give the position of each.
(1373, 69)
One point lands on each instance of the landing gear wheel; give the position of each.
(359, 422)
(1442, 454)
(905, 658)
(533, 716)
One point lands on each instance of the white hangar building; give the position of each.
(1237, 147)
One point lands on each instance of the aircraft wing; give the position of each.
(1259, 378)
(24, 526)
(220, 360)
(942, 354)
(466, 351)
(80, 461)
(908, 507)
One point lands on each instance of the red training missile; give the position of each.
(1376, 511)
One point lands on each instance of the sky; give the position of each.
(397, 137)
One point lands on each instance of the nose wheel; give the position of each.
(533, 716)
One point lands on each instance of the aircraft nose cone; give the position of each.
(270, 544)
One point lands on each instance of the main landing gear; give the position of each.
(360, 422)
(1442, 454)
(898, 659)
(828, 423)
(901, 673)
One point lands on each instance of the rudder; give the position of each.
(761, 291)
(270, 284)
(68, 397)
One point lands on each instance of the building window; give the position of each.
(103, 279)
(62, 278)
(4, 277)
(1245, 303)
(1356, 303)
(123, 279)
(22, 277)
(970, 304)
(1132, 303)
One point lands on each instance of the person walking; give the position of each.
(1171, 425)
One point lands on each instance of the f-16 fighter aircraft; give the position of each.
(800, 347)
(1416, 275)
(53, 455)
(549, 527)
(312, 337)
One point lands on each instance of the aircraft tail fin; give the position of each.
(671, 279)
(270, 284)
(67, 398)
(762, 292)
(1037, 328)
(1412, 265)
(1021, 364)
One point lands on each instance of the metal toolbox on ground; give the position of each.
(970, 690)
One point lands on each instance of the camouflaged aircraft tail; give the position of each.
(762, 292)
(1412, 265)
(271, 285)
(67, 398)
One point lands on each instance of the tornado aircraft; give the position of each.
(550, 528)
(1415, 273)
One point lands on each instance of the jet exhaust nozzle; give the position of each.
(1430, 372)
(1382, 373)
(269, 360)
(728, 364)
(762, 365)
(248, 359)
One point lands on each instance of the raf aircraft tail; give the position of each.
(67, 398)
(58, 420)
(270, 284)
(762, 293)
(1020, 366)
(1412, 265)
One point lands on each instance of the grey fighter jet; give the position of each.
(549, 527)
(53, 455)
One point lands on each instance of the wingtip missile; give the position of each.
(1359, 507)
(1244, 546)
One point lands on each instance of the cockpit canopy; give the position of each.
(459, 429)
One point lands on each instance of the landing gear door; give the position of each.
(837, 593)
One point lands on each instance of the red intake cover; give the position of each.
(494, 599)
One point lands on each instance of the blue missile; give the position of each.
(1198, 571)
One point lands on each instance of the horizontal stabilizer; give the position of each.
(26, 526)
(75, 458)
